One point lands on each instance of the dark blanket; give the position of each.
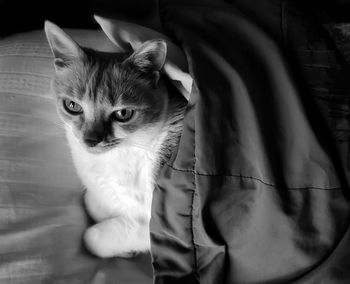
(258, 190)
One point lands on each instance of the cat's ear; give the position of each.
(64, 48)
(150, 57)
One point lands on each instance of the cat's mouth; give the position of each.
(102, 148)
(110, 145)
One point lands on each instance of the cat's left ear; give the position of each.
(150, 57)
(64, 48)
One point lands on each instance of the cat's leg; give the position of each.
(118, 237)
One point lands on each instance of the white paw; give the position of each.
(92, 239)
(105, 246)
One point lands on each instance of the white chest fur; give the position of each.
(118, 183)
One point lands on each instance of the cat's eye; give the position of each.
(72, 107)
(124, 115)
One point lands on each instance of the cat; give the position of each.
(122, 119)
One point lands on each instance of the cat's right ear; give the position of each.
(64, 48)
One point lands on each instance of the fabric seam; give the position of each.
(195, 263)
(254, 178)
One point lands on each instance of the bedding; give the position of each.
(258, 191)
(42, 217)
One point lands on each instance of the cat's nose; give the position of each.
(92, 138)
(93, 135)
(91, 142)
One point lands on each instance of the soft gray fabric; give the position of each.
(256, 192)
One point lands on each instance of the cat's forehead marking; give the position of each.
(105, 81)
(101, 85)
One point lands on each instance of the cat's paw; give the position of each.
(95, 244)
(105, 240)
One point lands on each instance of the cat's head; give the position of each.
(109, 99)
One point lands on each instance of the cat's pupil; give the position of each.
(124, 115)
(72, 107)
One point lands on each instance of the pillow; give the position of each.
(42, 218)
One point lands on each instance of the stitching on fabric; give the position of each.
(254, 178)
(195, 263)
